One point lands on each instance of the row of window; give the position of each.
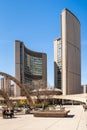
(59, 64)
(32, 65)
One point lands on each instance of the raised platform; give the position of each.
(51, 113)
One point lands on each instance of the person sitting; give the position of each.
(3, 112)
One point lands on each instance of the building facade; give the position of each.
(84, 88)
(67, 55)
(58, 63)
(6, 85)
(30, 68)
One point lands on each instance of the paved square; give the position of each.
(76, 120)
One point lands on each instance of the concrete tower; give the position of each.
(67, 55)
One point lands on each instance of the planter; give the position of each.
(51, 113)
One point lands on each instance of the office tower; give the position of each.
(30, 68)
(67, 55)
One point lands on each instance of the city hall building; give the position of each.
(30, 68)
(67, 55)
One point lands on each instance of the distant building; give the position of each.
(83, 88)
(30, 68)
(67, 55)
(6, 85)
(12, 89)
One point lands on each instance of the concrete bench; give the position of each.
(51, 113)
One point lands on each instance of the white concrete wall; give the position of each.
(64, 52)
(71, 59)
(17, 91)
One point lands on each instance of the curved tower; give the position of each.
(30, 68)
(70, 76)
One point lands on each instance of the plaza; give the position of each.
(31, 74)
(76, 120)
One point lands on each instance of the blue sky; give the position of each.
(37, 24)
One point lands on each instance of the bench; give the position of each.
(6, 114)
(51, 113)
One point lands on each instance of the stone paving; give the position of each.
(76, 120)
